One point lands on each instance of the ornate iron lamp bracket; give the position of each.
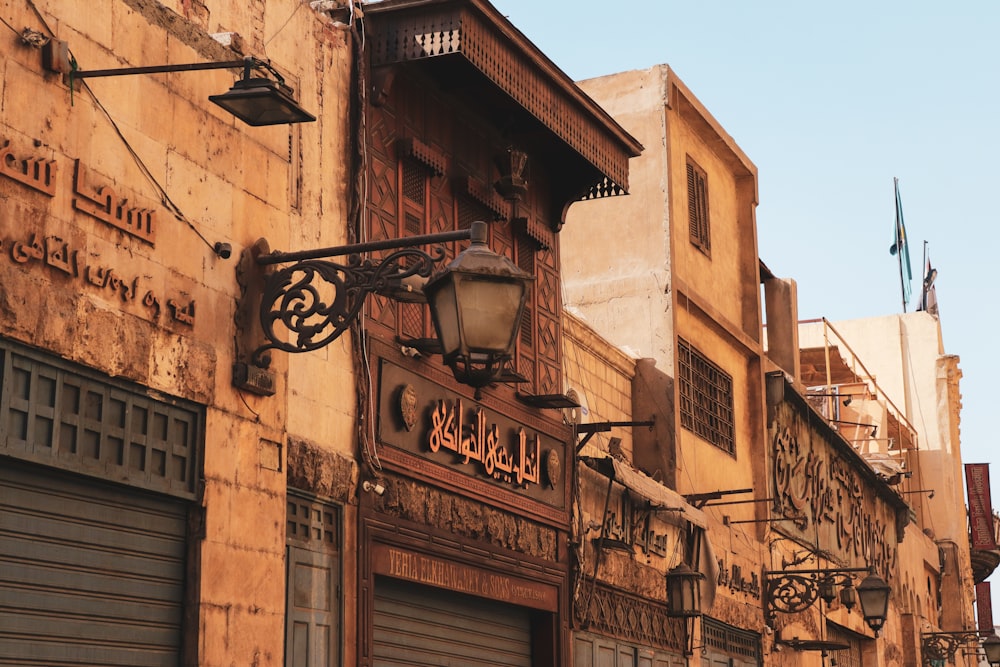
(311, 302)
(944, 645)
(316, 300)
(793, 591)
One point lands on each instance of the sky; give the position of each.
(832, 101)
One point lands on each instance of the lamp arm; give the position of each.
(792, 591)
(159, 69)
(278, 257)
(316, 301)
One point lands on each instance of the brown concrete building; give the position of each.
(684, 298)
(798, 501)
(179, 489)
(144, 496)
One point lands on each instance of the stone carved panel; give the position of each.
(826, 499)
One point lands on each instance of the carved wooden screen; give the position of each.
(431, 170)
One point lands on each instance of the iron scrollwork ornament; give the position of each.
(793, 592)
(316, 300)
(944, 645)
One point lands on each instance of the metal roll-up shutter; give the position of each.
(421, 626)
(90, 573)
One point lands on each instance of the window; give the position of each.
(706, 398)
(851, 656)
(728, 645)
(698, 208)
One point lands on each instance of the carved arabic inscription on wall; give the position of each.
(102, 203)
(823, 496)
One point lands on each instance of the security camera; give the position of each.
(373, 487)
(223, 250)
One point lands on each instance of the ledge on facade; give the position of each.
(814, 645)
(983, 563)
(469, 43)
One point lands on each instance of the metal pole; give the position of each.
(159, 69)
(278, 257)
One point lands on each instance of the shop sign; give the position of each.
(437, 428)
(462, 578)
(977, 485)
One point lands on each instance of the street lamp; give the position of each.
(256, 101)
(793, 591)
(991, 645)
(261, 101)
(683, 592)
(944, 645)
(873, 592)
(476, 304)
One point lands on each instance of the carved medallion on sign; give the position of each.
(552, 468)
(407, 406)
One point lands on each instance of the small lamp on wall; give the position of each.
(684, 592)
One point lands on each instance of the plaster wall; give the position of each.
(615, 251)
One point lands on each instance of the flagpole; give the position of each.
(923, 283)
(899, 249)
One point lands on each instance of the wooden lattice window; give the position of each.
(697, 185)
(526, 262)
(62, 415)
(314, 523)
(414, 181)
(706, 398)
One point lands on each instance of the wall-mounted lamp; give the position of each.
(929, 492)
(684, 599)
(991, 646)
(943, 645)
(683, 592)
(255, 100)
(793, 591)
(476, 301)
(476, 304)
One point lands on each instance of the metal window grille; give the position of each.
(698, 207)
(850, 657)
(706, 398)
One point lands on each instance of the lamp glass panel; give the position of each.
(259, 105)
(445, 310)
(488, 312)
(874, 598)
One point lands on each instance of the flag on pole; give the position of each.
(928, 296)
(901, 249)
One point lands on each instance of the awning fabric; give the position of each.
(659, 496)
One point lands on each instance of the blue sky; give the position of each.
(831, 101)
